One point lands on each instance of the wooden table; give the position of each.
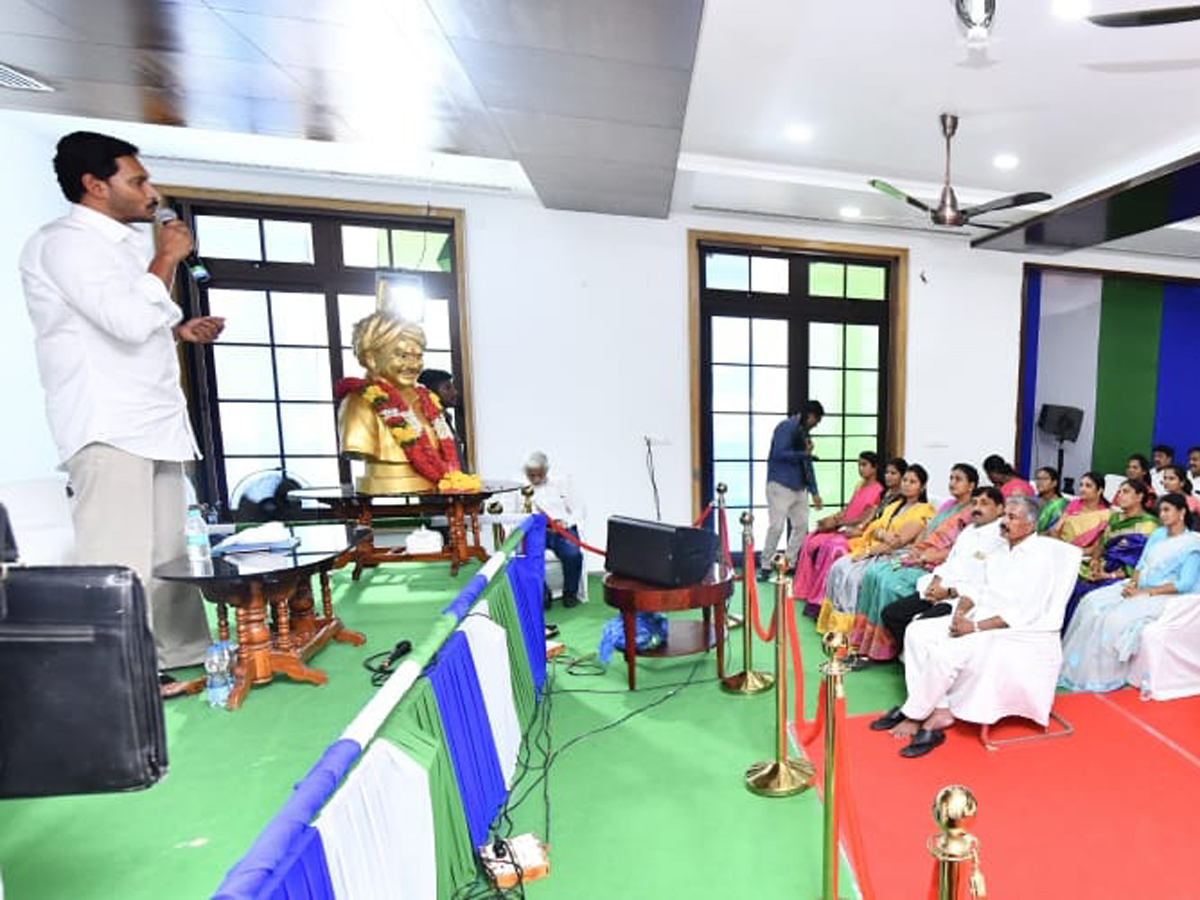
(461, 510)
(277, 627)
(631, 597)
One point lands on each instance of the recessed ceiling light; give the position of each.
(798, 133)
(1071, 10)
(850, 212)
(1005, 161)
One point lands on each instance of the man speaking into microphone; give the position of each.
(98, 292)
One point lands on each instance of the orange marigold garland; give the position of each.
(438, 464)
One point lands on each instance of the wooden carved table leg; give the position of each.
(630, 623)
(286, 657)
(342, 634)
(222, 621)
(458, 535)
(280, 597)
(253, 664)
(303, 624)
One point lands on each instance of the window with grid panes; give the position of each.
(291, 283)
(777, 328)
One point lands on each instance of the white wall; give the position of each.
(579, 333)
(31, 198)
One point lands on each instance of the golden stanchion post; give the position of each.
(747, 681)
(954, 808)
(780, 777)
(835, 645)
(527, 499)
(731, 621)
(495, 508)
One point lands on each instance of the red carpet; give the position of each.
(1105, 813)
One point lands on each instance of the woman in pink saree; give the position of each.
(1086, 517)
(829, 542)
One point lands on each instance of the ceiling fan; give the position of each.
(1164, 15)
(947, 212)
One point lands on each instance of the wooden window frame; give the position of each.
(198, 366)
(894, 374)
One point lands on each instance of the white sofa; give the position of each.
(1167, 663)
(41, 519)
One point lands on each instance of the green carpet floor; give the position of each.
(652, 807)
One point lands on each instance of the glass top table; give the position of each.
(278, 628)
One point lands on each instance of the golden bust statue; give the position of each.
(392, 422)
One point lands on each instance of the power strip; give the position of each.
(530, 854)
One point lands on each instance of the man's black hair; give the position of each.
(433, 378)
(87, 153)
(812, 407)
(991, 492)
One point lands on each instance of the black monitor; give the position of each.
(1062, 422)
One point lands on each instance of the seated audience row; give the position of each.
(912, 564)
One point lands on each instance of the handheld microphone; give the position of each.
(402, 648)
(198, 270)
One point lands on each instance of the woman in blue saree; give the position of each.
(1107, 628)
(1117, 550)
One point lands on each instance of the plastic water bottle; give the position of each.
(1146, 693)
(199, 550)
(217, 664)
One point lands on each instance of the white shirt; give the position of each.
(1156, 481)
(104, 345)
(966, 564)
(556, 499)
(1019, 585)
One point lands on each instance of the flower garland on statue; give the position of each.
(438, 464)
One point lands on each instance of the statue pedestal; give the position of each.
(393, 478)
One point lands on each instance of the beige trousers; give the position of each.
(130, 511)
(785, 505)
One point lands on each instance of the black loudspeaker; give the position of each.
(80, 711)
(668, 555)
(1063, 422)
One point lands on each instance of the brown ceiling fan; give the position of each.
(947, 212)
(1164, 15)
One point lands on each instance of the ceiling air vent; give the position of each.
(19, 81)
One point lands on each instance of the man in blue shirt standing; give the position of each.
(790, 479)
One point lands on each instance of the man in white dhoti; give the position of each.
(946, 670)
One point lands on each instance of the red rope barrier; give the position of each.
(846, 809)
(797, 662)
(751, 588)
(816, 727)
(704, 515)
(559, 530)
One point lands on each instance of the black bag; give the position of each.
(80, 711)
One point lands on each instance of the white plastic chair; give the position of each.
(1030, 677)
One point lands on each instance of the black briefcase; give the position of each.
(80, 711)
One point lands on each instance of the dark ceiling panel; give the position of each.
(541, 134)
(590, 96)
(564, 84)
(658, 33)
(1150, 201)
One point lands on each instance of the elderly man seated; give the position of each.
(555, 498)
(949, 670)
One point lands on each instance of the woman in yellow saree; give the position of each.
(899, 525)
